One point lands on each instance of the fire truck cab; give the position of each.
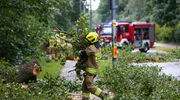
(105, 34)
(139, 34)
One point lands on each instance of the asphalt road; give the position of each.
(69, 66)
(168, 68)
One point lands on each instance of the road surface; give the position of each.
(168, 68)
(167, 45)
(69, 66)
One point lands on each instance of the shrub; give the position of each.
(138, 57)
(164, 33)
(7, 71)
(130, 82)
(177, 33)
(49, 88)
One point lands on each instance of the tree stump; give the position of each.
(28, 72)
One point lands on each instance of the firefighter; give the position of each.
(52, 48)
(61, 46)
(99, 29)
(61, 40)
(90, 67)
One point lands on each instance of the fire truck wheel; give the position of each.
(145, 49)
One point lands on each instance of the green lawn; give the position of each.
(163, 48)
(51, 68)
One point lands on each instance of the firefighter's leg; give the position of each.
(89, 84)
(53, 53)
(50, 53)
(85, 92)
(53, 56)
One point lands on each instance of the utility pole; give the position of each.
(114, 51)
(91, 14)
(80, 7)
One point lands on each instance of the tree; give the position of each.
(68, 14)
(104, 10)
(24, 24)
(166, 12)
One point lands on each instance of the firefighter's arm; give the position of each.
(91, 59)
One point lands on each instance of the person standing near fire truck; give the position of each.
(90, 67)
(52, 48)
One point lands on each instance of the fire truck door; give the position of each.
(152, 34)
(137, 37)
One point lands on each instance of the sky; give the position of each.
(95, 4)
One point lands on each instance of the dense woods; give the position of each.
(25, 24)
(164, 13)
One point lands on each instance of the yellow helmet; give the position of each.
(92, 37)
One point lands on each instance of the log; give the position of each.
(26, 73)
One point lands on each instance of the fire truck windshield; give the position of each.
(107, 30)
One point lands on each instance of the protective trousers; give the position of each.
(52, 52)
(88, 87)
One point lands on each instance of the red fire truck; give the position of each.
(139, 34)
(105, 33)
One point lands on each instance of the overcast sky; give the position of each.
(95, 4)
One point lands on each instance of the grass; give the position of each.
(163, 48)
(51, 68)
(173, 43)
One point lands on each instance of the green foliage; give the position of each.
(23, 27)
(78, 39)
(166, 12)
(159, 11)
(67, 15)
(134, 11)
(79, 42)
(164, 33)
(104, 11)
(163, 12)
(127, 56)
(51, 68)
(177, 34)
(129, 82)
(50, 87)
(135, 82)
(7, 71)
(25, 24)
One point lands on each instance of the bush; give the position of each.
(7, 71)
(177, 33)
(130, 82)
(138, 57)
(164, 33)
(49, 88)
